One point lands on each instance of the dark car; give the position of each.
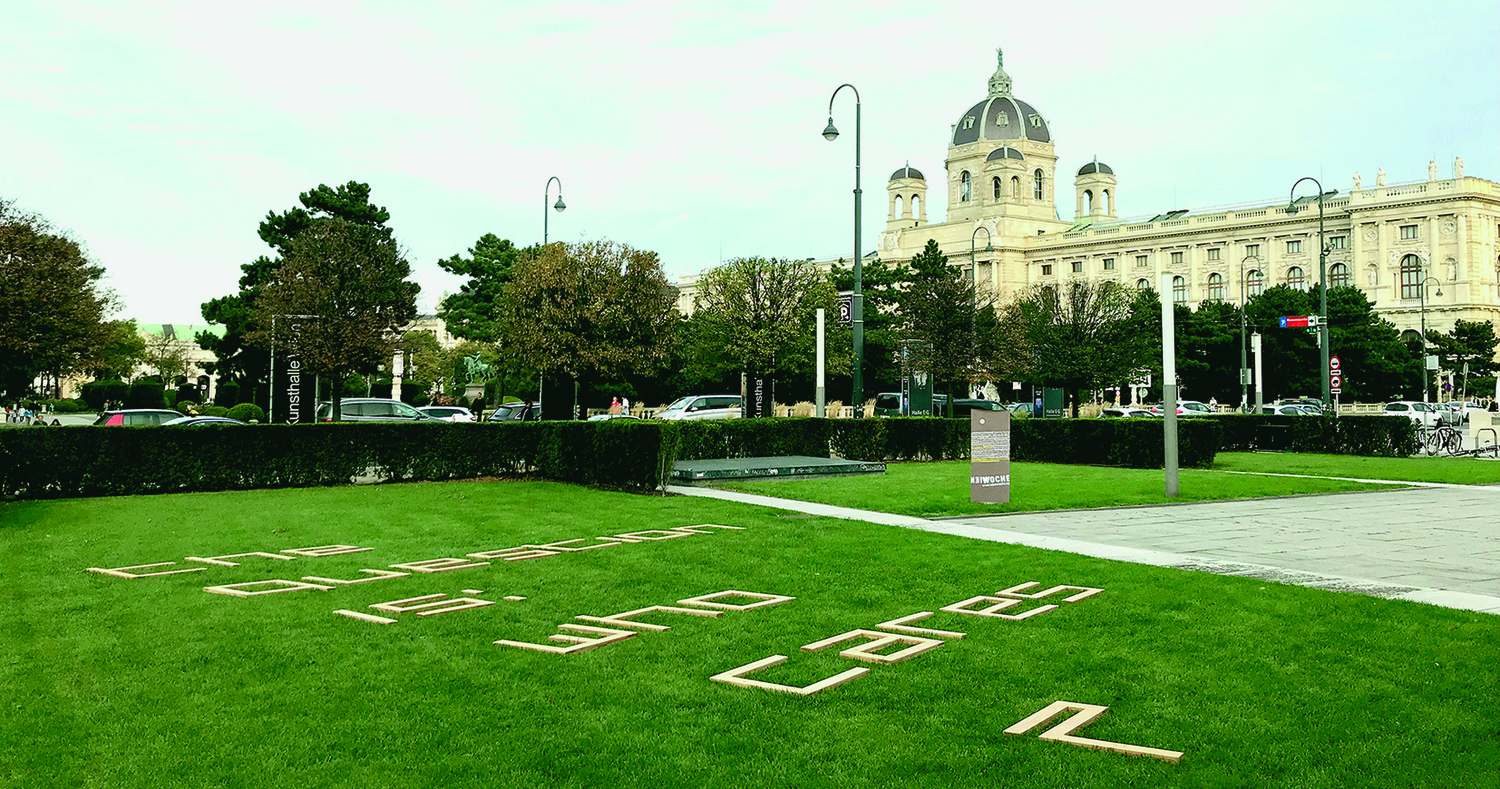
(372, 409)
(516, 412)
(137, 416)
(201, 421)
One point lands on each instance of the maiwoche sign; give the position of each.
(989, 457)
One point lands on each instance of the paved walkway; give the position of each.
(1431, 544)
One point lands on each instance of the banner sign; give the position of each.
(989, 457)
(291, 390)
(759, 396)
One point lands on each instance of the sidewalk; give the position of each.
(1437, 545)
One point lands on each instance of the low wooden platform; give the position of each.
(708, 472)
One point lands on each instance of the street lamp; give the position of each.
(1422, 293)
(989, 246)
(560, 206)
(857, 302)
(1244, 362)
(1291, 210)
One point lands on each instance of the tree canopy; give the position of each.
(472, 312)
(761, 313)
(52, 303)
(349, 285)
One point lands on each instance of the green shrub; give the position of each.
(858, 439)
(227, 394)
(146, 395)
(1372, 436)
(97, 393)
(66, 406)
(213, 410)
(185, 407)
(190, 393)
(246, 412)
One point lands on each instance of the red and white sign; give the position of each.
(1333, 364)
(1335, 383)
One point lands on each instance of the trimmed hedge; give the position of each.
(247, 412)
(1372, 436)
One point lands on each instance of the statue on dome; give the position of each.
(999, 81)
(1356, 181)
(1432, 169)
(1458, 167)
(1380, 177)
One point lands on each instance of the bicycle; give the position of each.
(1439, 440)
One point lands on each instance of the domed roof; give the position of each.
(907, 172)
(1004, 152)
(1095, 166)
(1001, 116)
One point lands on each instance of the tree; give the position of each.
(588, 310)
(167, 357)
(52, 305)
(1375, 364)
(121, 351)
(1208, 351)
(884, 286)
(1081, 335)
(471, 313)
(1470, 342)
(244, 361)
(939, 310)
(761, 313)
(352, 281)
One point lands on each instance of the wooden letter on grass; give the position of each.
(902, 625)
(580, 644)
(219, 560)
(999, 604)
(1015, 591)
(438, 565)
(1085, 714)
(375, 575)
(277, 587)
(736, 676)
(871, 652)
(708, 600)
(436, 606)
(624, 619)
(326, 550)
(120, 572)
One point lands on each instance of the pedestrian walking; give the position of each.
(625, 405)
(614, 406)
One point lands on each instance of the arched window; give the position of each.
(916, 206)
(1412, 337)
(1015, 186)
(1255, 284)
(1411, 277)
(1143, 284)
(995, 185)
(1215, 287)
(1338, 275)
(1088, 200)
(965, 188)
(1179, 290)
(1036, 191)
(1294, 278)
(896, 208)
(1105, 202)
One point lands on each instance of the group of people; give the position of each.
(22, 414)
(620, 405)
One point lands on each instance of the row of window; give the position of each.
(966, 186)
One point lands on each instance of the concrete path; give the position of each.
(1431, 544)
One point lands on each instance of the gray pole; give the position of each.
(821, 393)
(857, 301)
(1422, 293)
(1244, 365)
(546, 195)
(1291, 209)
(271, 391)
(1169, 383)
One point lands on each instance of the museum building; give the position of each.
(1001, 173)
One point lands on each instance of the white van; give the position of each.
(703, 407)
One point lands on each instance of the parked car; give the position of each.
(137, 416)
(1186, 407)
(1464, 409)
(201, 421)
(448, 413)
(962, 407)
(607, 417)
(372, 409)
(1424, 414)
(694, 407)
(889, 404)
(1127, 412)
(516, 412)
(1021, 409)
(1284, 409)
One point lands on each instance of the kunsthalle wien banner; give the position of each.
(291, 389)
(989, 457)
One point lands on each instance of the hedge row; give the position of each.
(1374, 436)
(89, 461)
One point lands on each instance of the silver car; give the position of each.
(703, 407)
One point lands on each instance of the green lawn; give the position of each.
(107, 682)
(1459, 471)
(938, 489)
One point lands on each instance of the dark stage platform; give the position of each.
(708, 472)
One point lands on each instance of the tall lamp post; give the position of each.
(1422, 292)
(989, 246)
(560, 206)
(857, 302)
(1291, 210)
(1244, 362)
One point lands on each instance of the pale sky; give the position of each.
(161, 133)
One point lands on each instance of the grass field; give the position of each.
(939, 489)
(154, 683)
